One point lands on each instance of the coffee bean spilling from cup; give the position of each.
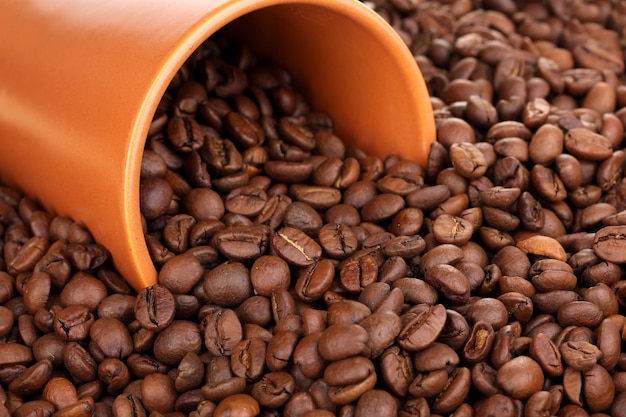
(299, 276)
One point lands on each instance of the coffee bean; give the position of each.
(580, 355)
(349, 378)
(607, 243)
(521, 377)
(268, 273)
(83, 289)
(295, 247)
(110, 338)
(274, 389)
(375, 403)
(175, 341)
(79, 362)
(441, 254)
(315, 280)
(423, 329)
(608, 341)
(340, 341)
(455, 391)
(358, 271)
(154, 308)
(582, 313)
(450, 281)
(382, 327)
(382, 207)
(318, 197)
(60, 392)
(156, 194)
(547, 354)
(337, 240)
(228, 284)
(599, 390)
(586, 144)
(479, 342)
(241, 404)
(347, 312)
(73, 323)
(33, 408)
(241, 242)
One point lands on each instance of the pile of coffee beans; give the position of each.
(299, 276)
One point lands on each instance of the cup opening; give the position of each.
(344, 59)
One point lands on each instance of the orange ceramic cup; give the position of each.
(80, 82)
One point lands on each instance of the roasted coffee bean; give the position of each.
(318, 197)
(222, 331)
(241, 242)
(586, 144)
(274, 389)
(172, 343)
(340, 341)
(347, 312)
(115, 374)
(154, 308)
(349, 379)
(228, 284)
(302, 216)
(73, 323)
(521, 377)
(468, 160)
(607, 243)
(428, 198)
(383, 327)
(255, 310)
(489, 310)
(32, 379)
(85, 290)
(81, 365)
(36, 291)
(579, 313)
(580, 355)
(307, 358)
(375, 403)
(452, 229)
(240, 404)
(358, 271)
(110, 338)
(396, 370)
(479, 342)
(382, 207)
(315, 280)
(142, 365)
(35, 407)
(497, 403)
(451, 283)
(280, 349)
(429, 384)
(547, 354)
(158, 393)
(60, 392)
(455, 391)
(28, 255)
(435, 356)
(305, 277)
(598, 389)
(156, 195)
(295, 247)
(608, 341)
(504, 344)
(423, 329)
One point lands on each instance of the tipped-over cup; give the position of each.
(80, 82)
